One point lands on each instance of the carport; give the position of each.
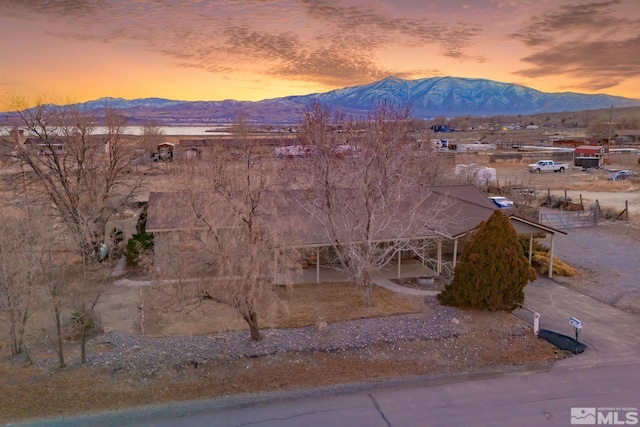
(522, 226)
(526, 227)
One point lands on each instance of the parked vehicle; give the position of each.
(548, 166)
(501, 202)
(620, 175)
(442, 128)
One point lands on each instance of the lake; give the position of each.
(166, 130)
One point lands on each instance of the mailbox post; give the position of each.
(577, 326)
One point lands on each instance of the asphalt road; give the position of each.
(528, 400)
(538, 399)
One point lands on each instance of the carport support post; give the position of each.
(399, 262)
(551, 257)
(455, 251)
(530, 247)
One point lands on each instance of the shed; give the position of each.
(165, 152)
(589, 151)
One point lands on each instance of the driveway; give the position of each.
(607, 257)
(612, 335)
(605, 296)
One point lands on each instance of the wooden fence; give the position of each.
(531, 156)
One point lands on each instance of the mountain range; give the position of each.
(429, 97)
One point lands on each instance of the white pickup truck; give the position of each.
(548, 166)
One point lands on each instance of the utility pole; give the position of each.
(609, 140)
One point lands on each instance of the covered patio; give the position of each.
(318, 273)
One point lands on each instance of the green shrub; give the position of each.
(492, 271)
(137, 245)
(537, 247)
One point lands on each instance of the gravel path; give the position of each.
(133, 352)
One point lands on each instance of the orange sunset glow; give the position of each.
(81, 50)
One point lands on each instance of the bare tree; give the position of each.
(461, 123)
(87, 289)
(56, 269)
(151, 136)
(79, 179)
(233, 246)
(82, 174)
(599, 128)
(628, 121)
(23, 247)
(370, 205)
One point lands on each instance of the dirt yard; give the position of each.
(587, 186)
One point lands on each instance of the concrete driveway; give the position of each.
(605, 296)
(612, 335)
(607, 257)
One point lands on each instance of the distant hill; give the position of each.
(431, 97)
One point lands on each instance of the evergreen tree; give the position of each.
(492, 271)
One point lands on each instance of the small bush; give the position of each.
(83, 322)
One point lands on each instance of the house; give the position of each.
(43, 147)
(207, 148)
(63, 145)
(460, 209)
(627, 137)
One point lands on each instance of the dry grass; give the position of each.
(560, 268)
(339, 301)
(297, 306)
(601, 184)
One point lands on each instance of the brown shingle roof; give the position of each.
(446, 210)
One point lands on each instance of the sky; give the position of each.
(79, 50)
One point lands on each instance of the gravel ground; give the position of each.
(132, 352)
(610, 272)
